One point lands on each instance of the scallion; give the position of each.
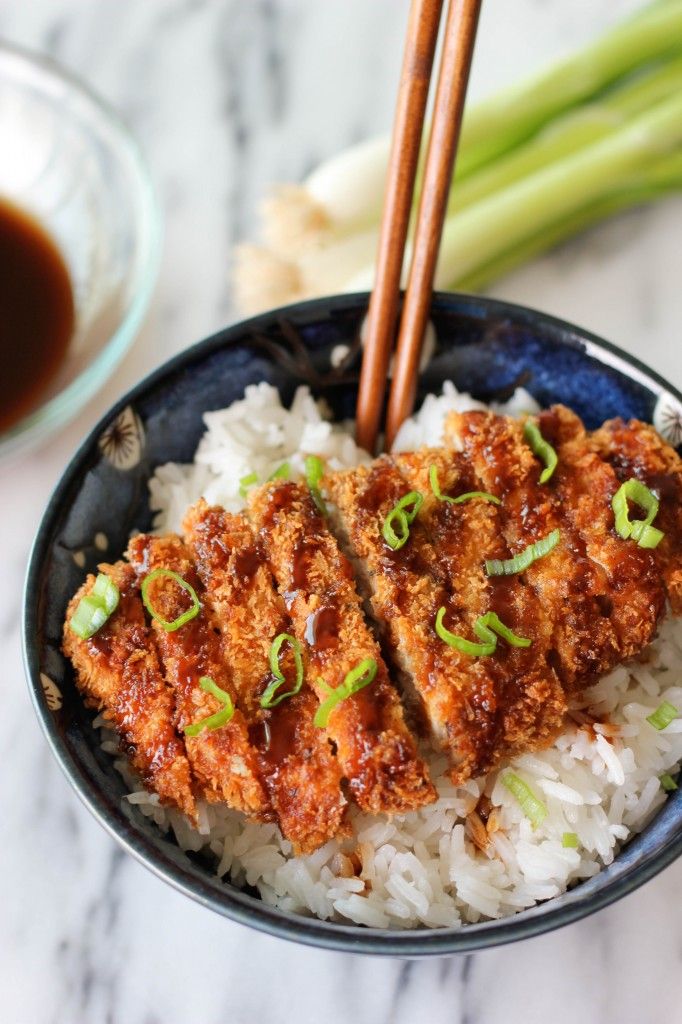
(668, 783)
(359, 677)
(95, 608)
(396, 525)
(525, 558)
(182, 619)
(485, 628)
(314, 471)
(221, 717)
(640, 530)
(532, 807)
(664, 714)
(271, 698)
(247, 481)
(467, 496)
(541, 448)
(569, 840)
(281, 473)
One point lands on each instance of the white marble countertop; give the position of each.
(226, 96)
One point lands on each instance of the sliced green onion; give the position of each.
(359, 677)
(485, 628)
(668, 783)
(221, 717)
(106, 591)
(93, 610)
(247, 481)
(467, 496)
(314, 471)
(641, 530)
(281, 473)
(520, 562)
(181, 620)
(402, 515)
(569, 840)
(269, 700)
(541, 448)
(664, 714)
(534, 809)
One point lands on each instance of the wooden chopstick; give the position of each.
(458, 45)
(420, 45)
(458, 48)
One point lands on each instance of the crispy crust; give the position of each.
(118, 672)
(528, 698)
(374, 747)
(634, 449)
(224, 760)
(301, 774)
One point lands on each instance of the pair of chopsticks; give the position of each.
(382, 318)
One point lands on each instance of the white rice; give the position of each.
(422, 868)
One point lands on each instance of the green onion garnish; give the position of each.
(664, 714)
(534, 809)
(569, 840)
(268, 700)
(668, 783)
(281, 473)
(359, 677)
(520, 562)
(221, 717)
(541, 448)
(641, 530)
(94, 609)
(181, 620)
(485, 628)
(247, 481)
(401, 516)
(468, 496)
(314, 471)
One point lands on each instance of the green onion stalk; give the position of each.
(593, 135)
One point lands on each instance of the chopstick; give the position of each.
(382, 316)
(458, 45)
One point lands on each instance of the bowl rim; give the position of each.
(233, 904)
(62, 407)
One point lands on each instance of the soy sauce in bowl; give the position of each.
(37, 313)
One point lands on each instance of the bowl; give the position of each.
(70, 162)
(484, 346)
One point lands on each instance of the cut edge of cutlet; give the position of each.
(120, 687)
(223, 760)
(375, 749)
(302, 776)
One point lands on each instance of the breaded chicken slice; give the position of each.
(633, 595)
(568, 584)
(635, 449)
(374, 747)
(529, 699)
(406, 588)
(223, 760)
(118, 672)
(301, 774)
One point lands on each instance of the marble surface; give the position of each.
(226, 97)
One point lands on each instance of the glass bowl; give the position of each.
(70, 162)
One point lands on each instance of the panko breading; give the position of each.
(375, 749)
(302, 776)
(118, 673)
(223, 760)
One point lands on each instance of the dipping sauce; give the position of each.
(36, 313)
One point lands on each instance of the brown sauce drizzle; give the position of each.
(247, 561)
(322, 628)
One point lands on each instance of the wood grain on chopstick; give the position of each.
(420, 45)
(458, 46)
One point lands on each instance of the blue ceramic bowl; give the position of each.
(485, 347)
